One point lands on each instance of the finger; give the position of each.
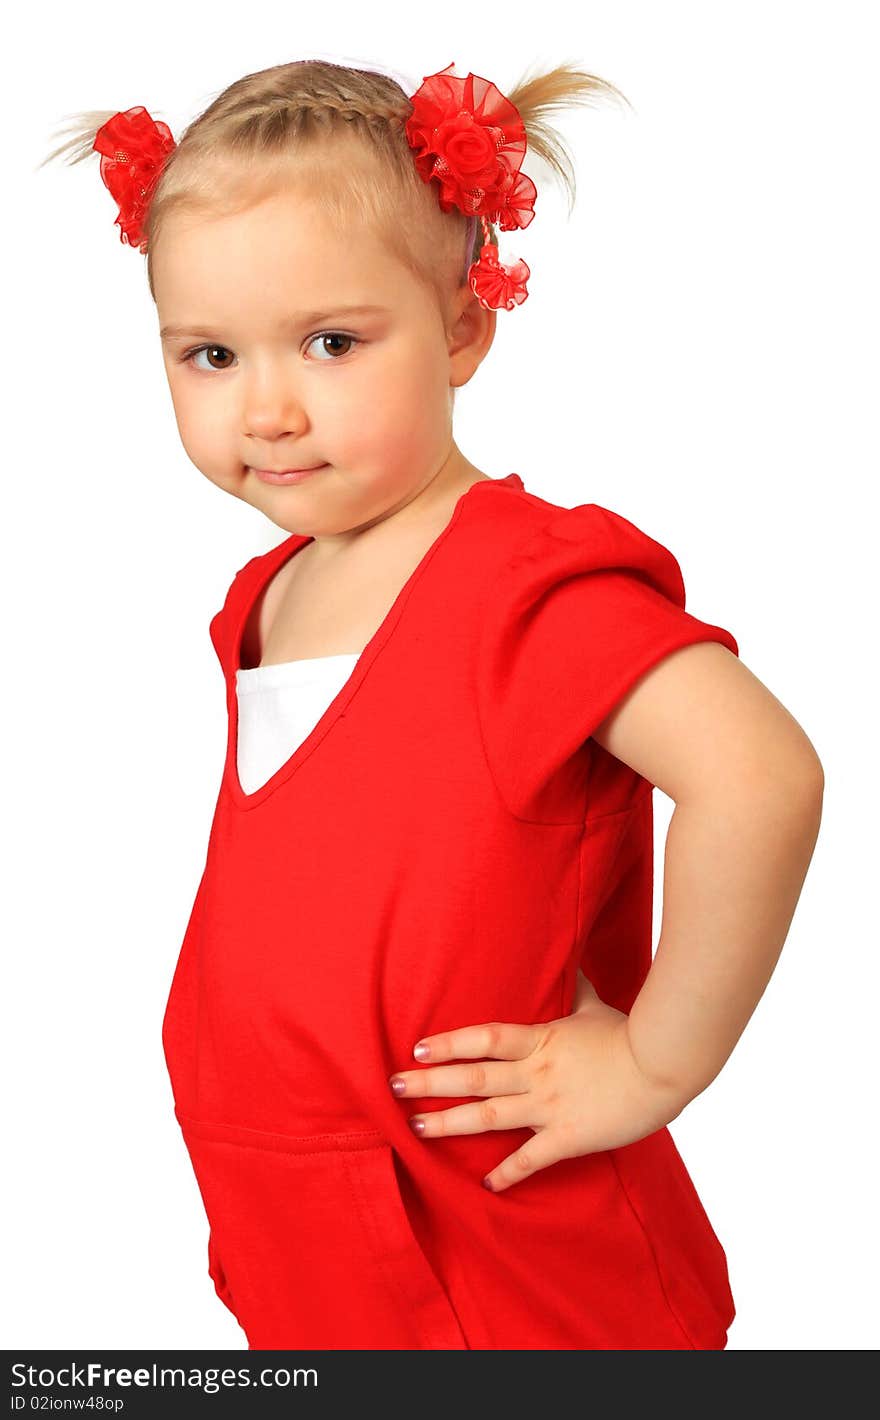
(497, 1039)
(485, 1077)
(536, 1154)
(507, 1112)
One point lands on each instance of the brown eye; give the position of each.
(328, 339)
(211, 351)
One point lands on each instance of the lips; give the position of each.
(290, 475)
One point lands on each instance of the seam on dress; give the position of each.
(618, 848)
(672, 1311)
(589, 819)
(287, 1153)
(348, 1141)
(365, 1206)
(628, 809)
(573, 959)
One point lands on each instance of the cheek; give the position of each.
(190, 407)
(395, 432)
(203, 428)
(422, 379)
(184, 405)
(407, 396)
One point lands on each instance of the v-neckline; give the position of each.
(275, 561)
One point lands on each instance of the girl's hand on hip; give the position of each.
(574, 1081)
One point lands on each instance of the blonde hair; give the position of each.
(336, 134)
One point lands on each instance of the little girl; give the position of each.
(420, 1055)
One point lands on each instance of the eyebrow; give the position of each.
(303, 318)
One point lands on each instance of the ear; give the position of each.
(470, 333)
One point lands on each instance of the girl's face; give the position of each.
(269, 369)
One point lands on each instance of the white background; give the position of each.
(698, 352)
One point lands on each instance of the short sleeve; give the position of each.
(583, 608)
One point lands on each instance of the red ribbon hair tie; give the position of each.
(133, 148)
(471, 139)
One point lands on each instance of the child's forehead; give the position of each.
(287, 216)
(269, 258)
(282, 230)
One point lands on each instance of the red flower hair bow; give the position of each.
(133, 148)
(471, 139)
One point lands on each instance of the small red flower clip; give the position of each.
(133, 148)
(471, 139)
(498, 286)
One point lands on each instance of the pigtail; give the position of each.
(537, 96)
(80, 145)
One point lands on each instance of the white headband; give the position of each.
(408, 85)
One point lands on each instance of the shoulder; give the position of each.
(529, 541)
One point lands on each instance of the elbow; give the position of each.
(807, 780)
(793, 785)
(803, 809)
(789, 767)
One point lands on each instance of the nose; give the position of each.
(272, 405)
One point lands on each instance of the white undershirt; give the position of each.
(278, 706)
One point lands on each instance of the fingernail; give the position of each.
(417, 1125)
(397, 1085)
(487, 1183)
(421, 1051)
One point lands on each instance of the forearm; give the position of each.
(733, 872)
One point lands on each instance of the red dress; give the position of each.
(445, 847)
